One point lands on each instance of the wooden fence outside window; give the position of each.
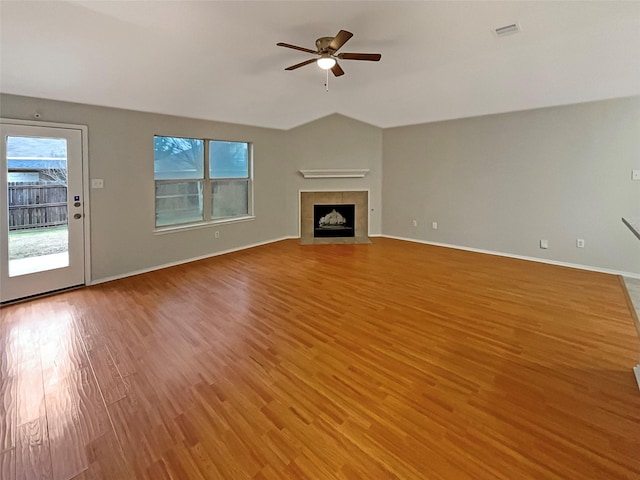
(35, 205)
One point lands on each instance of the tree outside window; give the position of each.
(201, 181)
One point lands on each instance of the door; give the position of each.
(41, 210)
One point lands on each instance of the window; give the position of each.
(201, 180)
(229, 173)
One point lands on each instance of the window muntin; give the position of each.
(219, 186)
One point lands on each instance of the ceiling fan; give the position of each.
(326, 51)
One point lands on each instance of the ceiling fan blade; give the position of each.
(295, 47)
(372, 57)
(340, 39)
(301, 64)
(337, 70)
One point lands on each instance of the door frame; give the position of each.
(84, 134)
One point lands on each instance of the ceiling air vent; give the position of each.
(507, 30)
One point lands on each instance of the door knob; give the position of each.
(77, 216)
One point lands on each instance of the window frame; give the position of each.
(248, 178)
(207, 182)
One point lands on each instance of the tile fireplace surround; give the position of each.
(359, 198)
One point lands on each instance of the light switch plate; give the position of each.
(635, 175)
(97, 183)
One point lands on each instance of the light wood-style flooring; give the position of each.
(633, 289)
(391, 360)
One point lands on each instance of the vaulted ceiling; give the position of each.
(218, 60)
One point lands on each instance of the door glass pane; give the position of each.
(38, 213)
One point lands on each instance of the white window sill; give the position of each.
(199, 225)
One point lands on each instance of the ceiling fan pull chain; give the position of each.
(327, 82)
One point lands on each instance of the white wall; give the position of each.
(123, 213)
(503, 182)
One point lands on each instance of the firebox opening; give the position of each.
(334, 220)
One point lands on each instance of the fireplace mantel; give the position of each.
(335, 173)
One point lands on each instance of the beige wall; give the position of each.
(336, 142)
(503, 182)
(123, 213)
(499, 183)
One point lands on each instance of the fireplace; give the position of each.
(349, 223)
(337, 220)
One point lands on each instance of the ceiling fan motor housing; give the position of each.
(322, 44)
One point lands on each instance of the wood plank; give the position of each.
(30, 395)
(8, 464)
(9, 344)
(8, 412)
(61, 346)
(391, 360)
(30, 382)
(108, 461)
(67, 443)
(107, 374)
(33, 455)
(93, 417)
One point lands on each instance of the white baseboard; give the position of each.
(290, 237)
(520, 257)
(188, 260)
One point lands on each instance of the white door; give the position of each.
(41, 210)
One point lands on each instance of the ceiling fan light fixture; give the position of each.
(326, 62)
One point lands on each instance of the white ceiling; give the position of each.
(219, 60)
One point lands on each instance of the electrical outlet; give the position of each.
(544, 244)
(580, 243)
(434, 225)
(97, 183)
(415, 223)
(217, 234)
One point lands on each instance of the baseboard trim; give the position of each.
(425, 242)
(188, 260)
(520, 257)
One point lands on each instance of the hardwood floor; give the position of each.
(385, 361)
(633, 289)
